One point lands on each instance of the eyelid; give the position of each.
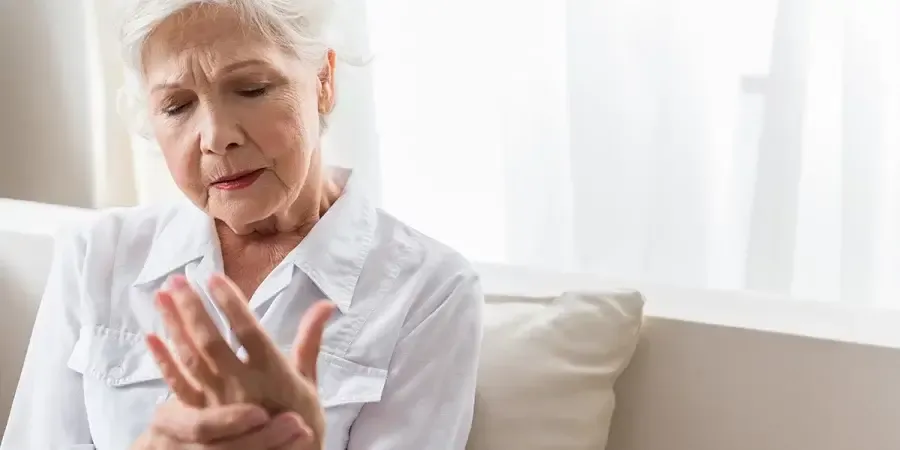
(254, 87)
(175, 108)
(174, 99)
(255, 78)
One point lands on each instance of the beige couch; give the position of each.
(713, 370)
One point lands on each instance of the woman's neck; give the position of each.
(292, 223)
(250, 255)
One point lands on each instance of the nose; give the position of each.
(220, 132)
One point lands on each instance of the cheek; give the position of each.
(285, 132)
(182, 159)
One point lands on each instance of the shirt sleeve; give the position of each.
(48, 408)
(429, 396)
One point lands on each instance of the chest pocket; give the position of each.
(344, 388)
(343, 382)
(122, 384)
(118, 360)
(114, 361)
(122, 381)
(114, 358)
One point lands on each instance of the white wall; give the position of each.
(43, 81)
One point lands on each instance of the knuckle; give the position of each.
(207, 345)
(181, 301)
(236, 418)
(190, 360)
(201, 431)
(246, 329)
(216, 352)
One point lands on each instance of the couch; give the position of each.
(712, 370)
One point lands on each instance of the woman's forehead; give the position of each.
(215, 40)
(204, 25)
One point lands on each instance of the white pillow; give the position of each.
(547, 369)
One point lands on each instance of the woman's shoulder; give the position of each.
(114, 245)
(428, 271)
(427, 255)
(108, 228)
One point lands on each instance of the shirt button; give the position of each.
(116, 372)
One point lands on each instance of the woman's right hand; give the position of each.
(229, 427)
(204, 370)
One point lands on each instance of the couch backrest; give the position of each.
(26, 247)
(743, 371)
(24, 260)
(694, 384)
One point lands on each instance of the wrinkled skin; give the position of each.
(207, 372)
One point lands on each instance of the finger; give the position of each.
(173, 374)
(208, 425)
(189, 355)
(233, 303)
(285, 430)
(309, 338)
(200, 327)
(302, 440)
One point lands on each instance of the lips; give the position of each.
(236, 176)
(238, 180)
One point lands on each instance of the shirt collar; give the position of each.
(334, 252)
(332, 255)
(184, 234)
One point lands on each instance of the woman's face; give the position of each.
(236, 117)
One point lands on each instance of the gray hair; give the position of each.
(300, 26)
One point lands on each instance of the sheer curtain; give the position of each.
(738, 144)
(728, 144)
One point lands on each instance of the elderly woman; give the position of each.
(179, 326)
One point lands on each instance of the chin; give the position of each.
(239, 213)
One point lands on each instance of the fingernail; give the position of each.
(258, 416)
(177, 281)
(305, 434)
(288, 427)
(283, 430)
(163, 301)
(215, 280)
(301, 437)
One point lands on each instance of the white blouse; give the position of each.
(399, 358)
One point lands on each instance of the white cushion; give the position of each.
(547, 369)
(26, 248)
(24, 263)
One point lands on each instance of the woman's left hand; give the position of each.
(207, 372)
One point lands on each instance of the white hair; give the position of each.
(299, 26)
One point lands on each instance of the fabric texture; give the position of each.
(548, 367)
(398, 359)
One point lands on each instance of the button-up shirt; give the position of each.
(398, 362)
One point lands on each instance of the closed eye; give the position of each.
(255, 92)
(175, 110)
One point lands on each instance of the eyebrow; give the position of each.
(227, 69)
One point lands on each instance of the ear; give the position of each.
(326, 84)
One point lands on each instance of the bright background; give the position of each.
(738, 144)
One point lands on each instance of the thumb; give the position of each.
(309, 337)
